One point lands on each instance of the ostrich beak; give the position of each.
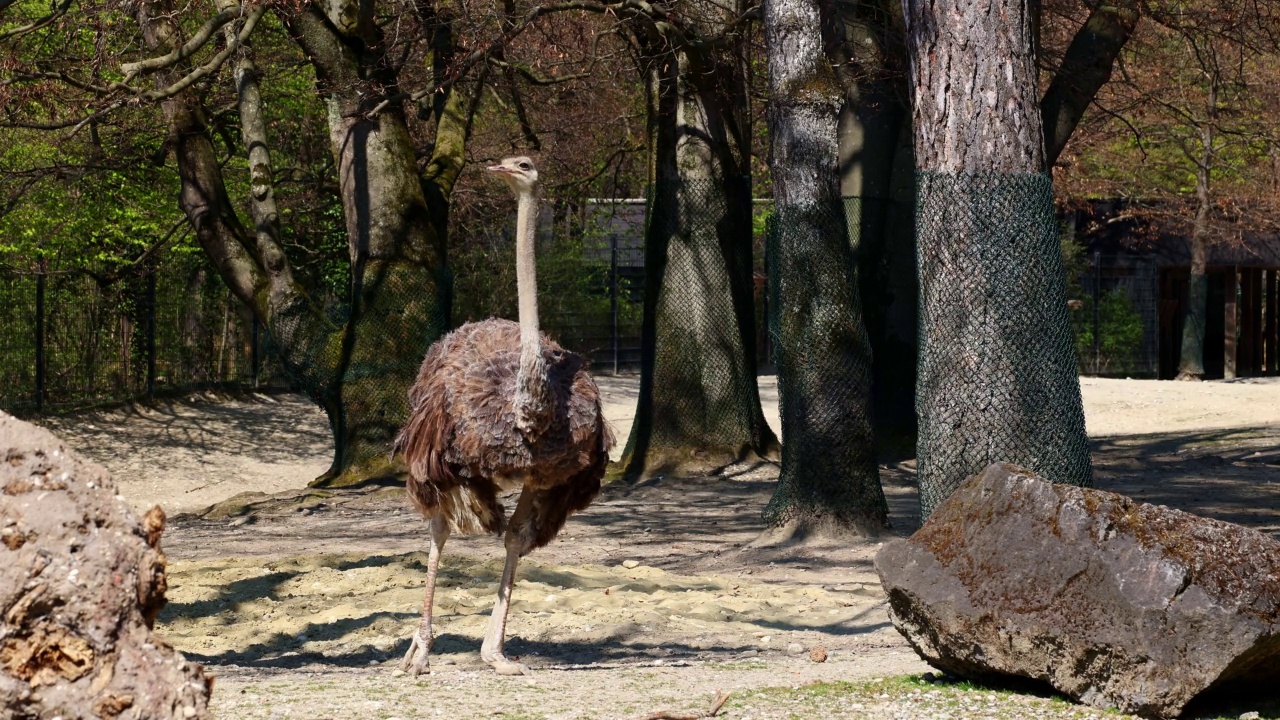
(501, 169)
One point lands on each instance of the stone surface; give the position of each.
(81, 581)
(1113, 602)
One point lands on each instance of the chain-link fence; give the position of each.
(998, 371)
(75, 339)
(824, 364)
(1115, 313)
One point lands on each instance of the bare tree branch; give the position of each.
(58, 11)
(666, 22)
(1085, 68)
(210, 67)
(189, 48)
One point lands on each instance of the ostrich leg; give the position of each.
(415, 661)
(519, 539)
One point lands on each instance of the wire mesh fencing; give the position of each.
(72, 339)
(701, 283)
(823, 355)
(998, 372)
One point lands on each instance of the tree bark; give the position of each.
(699, 406)
(1085, 68)
(1191, 365)
(997, 377)
(359, 368)
(399, 289)
(829, 482)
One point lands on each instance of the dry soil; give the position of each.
(655, 597)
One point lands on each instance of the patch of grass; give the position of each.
(912, 696)
(916, 696)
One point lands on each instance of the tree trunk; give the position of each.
(1191, 366)
(878, 184)
(357, 368)
(997, 377)
(399, 290)
(699, 406)
(829, 482)
(888, 260)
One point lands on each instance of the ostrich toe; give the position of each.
(416, 660)
(503, 666)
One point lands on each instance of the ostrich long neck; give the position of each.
(531, 380)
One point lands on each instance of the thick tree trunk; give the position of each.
(399, 290)
(1191, 366)
(829, 482)
(888, 266)
(699, 406)
(997, 378)
(358, 369)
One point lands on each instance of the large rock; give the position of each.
(81, 580)
(1113, 602)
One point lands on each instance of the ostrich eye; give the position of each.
(525, 166)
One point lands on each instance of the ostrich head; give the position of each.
(519, 173)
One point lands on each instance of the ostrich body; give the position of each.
(497, 407)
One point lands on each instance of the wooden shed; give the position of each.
(1242, 336)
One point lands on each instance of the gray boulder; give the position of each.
(81, 581)
(1113, 602)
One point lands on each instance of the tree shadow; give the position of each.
(1228, 475)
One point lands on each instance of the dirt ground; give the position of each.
(655, 597)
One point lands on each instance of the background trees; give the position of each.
(320, 157)
(1184, 133)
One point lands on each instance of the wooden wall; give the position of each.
(1242, 330)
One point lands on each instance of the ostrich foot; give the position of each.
(503, 666)
(415, 661)
(500, 664)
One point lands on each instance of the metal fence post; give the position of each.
(253, 352)
(1097, 312)
(613, 296)
(151, 335)
(40, 340)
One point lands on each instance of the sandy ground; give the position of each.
(187, 455)
(654, 597)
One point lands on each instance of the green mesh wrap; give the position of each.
(829, 472)
(359, 362)
(997, 375)
(699, 370)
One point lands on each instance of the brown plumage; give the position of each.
(496, 407)
(462, 446)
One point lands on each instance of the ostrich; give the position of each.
(497, 406)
